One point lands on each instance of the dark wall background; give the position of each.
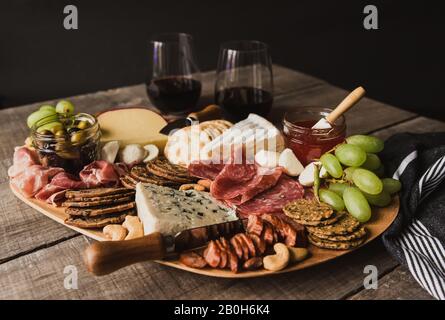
(402, 63)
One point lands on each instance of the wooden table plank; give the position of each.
(416, 125)
(39, 275)
(368, 115)
(398, 284)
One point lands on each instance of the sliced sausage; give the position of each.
(234, 262)
(253, 263)
(212, 254)
(249, 243)
(237, 247)
(290, 235)
(223, 260)
(193, 260)
(255, 225)
(276, 223)
(268, 234)
(260, 244)
(243, 246)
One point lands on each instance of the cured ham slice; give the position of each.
(101, 173)
(52, 192)
(273, 199)
(23, 158)
(33, 178)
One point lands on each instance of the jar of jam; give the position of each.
(67, 141)
(309, 144)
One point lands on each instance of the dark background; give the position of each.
(402, 63)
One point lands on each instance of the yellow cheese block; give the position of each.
(132, 125)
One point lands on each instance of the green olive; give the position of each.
(53, 127)
(64, 106)
(83, 125)
(77, 137)
(60, 133)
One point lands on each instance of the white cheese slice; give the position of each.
(253, 133)
(170, 211)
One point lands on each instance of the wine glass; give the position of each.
(173, 79)
(244, 81)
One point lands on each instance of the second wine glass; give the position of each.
(244, 80)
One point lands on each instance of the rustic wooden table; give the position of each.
(35, 251)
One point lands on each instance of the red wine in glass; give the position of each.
(173, 79)
(174, 94)
(244, 81)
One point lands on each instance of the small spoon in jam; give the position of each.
(347, 103)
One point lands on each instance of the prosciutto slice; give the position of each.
(49, 184)
(33, 178)
(60, 182)
(273, 200)
(23, 158)
(101, 173)
(96, 174)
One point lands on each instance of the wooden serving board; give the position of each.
(381, 219)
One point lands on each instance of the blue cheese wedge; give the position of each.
(170, 211)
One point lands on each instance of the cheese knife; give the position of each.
(347, 103)
(105, 257)
(210, 112)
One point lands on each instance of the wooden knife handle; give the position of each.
(108, 256)
(346, 104)
(211, 112)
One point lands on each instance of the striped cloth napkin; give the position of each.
(417, 237)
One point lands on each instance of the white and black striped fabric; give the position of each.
(417, 237)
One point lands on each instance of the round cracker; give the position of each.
(308, 210)
(346, 225)
(358, 234)
(334, 218)
(335, 245)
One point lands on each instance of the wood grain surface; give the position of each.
(34, 250)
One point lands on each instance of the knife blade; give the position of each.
(210, 112)
(104, 257)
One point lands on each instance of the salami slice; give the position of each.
(273, 200)
(205, 170)
(238, 183)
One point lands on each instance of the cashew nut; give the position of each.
(279, 260)
(134, 227)
(297, 254)
(189, 186)
(205, 183)
(115, 232)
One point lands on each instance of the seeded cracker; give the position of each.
(346, 225)
(334, 218)
(335, 245)
(308, 210)
(358, 234)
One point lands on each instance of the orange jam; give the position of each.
(309, 144)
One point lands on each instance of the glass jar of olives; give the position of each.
(66, 141)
